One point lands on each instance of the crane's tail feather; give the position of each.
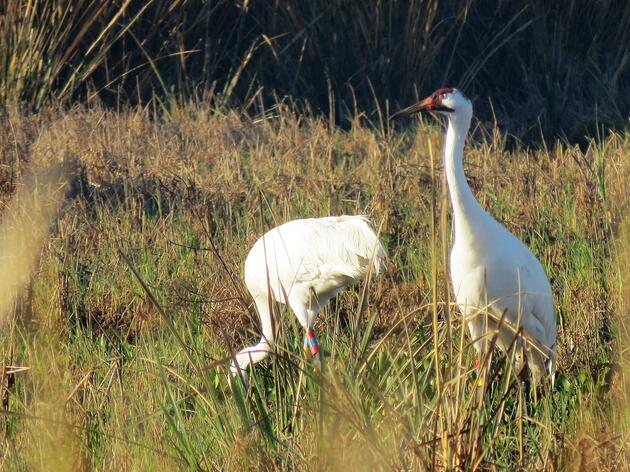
(364, 243)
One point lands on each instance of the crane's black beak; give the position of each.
(428, 104)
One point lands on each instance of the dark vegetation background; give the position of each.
(540, 68)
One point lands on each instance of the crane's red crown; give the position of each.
(443, 90)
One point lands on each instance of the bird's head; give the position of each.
(445, 101)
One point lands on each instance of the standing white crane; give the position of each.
(305, 263)
(498, 283)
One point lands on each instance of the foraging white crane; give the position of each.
(493, 273)
(305, 263)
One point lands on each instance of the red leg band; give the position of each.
(311, 341)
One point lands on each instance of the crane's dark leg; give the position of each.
(527, 384)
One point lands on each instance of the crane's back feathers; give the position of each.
(322, 254)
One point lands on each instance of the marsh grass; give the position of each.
(117, 355)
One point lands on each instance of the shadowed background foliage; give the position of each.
(539, 68)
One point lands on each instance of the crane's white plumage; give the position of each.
(492, 271)
(305, 263)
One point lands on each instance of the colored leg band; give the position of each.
(311, 342)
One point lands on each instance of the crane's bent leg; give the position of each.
(249, 356)
(306, 317)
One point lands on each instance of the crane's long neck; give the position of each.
(468, 215)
